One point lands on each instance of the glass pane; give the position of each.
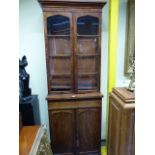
(58, 29)
(87, 65)
(87, 25)
(60, 66)
(60, 71)
(87, 54)
(56, 49)
(87, 45)
(58, 25)
(87, 83)
(87, 73)
(59, 83)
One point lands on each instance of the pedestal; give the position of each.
(121, 131)
(30, 111)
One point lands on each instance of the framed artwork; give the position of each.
(130, 36)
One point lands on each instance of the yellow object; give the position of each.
(103, 150)
(112, 48)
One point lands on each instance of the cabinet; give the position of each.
(121, 140)
(73, 57)
(75, 124)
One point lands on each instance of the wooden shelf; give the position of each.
(86, 88)
(61, 87)
(87, 55)
(61, 75)
(63, 35)
(61, 92)
(87, 35)
(60, 56)
(87, 74)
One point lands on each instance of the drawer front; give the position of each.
(74, 104)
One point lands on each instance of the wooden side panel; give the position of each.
(133, 143)
(26, 139)
(114, 129)
(88, 130)
(121, 125)
(62, 131)
(127, 133)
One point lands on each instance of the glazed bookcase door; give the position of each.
(87, 41)
(59, 52)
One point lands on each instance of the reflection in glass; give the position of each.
(87, 45)
(58, 25)
(87, 25)
(58, 29)
(87, 83)
(55, 48)
(60, 83)
(60, 66)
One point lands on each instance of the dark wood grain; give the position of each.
(121, 137)
(79, 121)
(78, 3)
(62, 130)
(126, 95)
(88, 121)
(62, 97)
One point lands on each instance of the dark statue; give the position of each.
(24, 90)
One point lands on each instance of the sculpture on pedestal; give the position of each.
(24, 90)
(131, 86)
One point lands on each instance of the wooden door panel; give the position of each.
(127, 133)
(114, 129)
(62, 131)
(88, 130)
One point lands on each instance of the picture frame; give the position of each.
(130, 36)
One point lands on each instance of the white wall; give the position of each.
(121, 79)
(104, 67)
(31, 41)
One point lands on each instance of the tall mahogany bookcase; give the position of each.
(73, 58)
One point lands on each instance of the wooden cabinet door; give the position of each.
(62, 131)
(114, 129)
(88, 131)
